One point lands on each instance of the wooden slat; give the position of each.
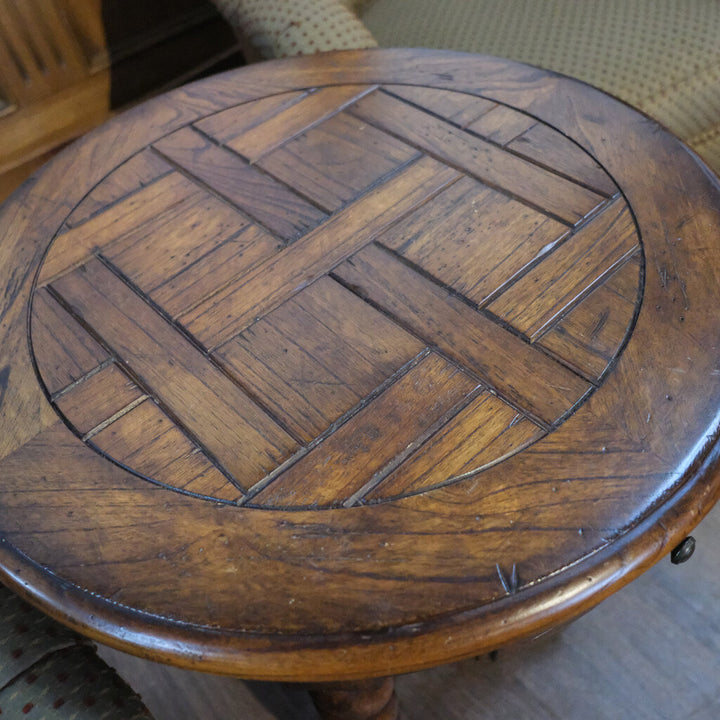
(63, 51)
(66, 351)
(234, 121)
(502, 124)
(626, 281)
(536, 383)
(336, 160)
(295, 119)
(209, 482)
(38, 51)
(14, 74)
(245, 440)
(390, 426)
(37, 31)
(87, 25)
(257, 194)
(75, 246)
(24, 63)
(230, 311)
(317, 356)
(549, 147)
(147, 441)
(98, 398)
(130, 177)
(211, 272)
(482, 434)
(474, 239)
(589, 336)
(462, 109)
(520, 178)
(570, 272)
(166, 245)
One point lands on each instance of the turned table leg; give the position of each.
(361, 700)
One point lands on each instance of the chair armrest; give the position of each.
(281, 28)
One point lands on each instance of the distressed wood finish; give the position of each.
(340, 367)
(365, 700)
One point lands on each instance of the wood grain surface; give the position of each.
(340, 367)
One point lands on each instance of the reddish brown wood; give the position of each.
(291, 122)
(484, 160)
(259, 195)
(333, 415)
(516, 369)
(364, 700)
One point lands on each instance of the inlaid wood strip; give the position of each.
(234, 430)
(77, 245)
(482, 434)
(502, 124)
(292, 121)
(530, 183)
(214, 270)
(570, 272)
(523, 374)
(146, 440)
(357, 453)
(231, 310)
(101, 396)
(335, 161)
(460, 108)
(210, 483)
(234, 121)
(260, 196)
(68, 351)
(133, 175)
(549, 147)
(165, 246)
(626, 281)
(317, 355)
(587, 336)
(474, 239)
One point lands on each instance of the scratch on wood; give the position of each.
(4, 378)
(510, 585)
(683, 289)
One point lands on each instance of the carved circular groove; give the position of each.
(336, 297)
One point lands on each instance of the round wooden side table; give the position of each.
(340, 367)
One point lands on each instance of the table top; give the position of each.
(354, 364)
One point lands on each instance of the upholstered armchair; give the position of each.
(661, 56)
(47, 672)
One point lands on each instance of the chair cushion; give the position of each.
(661, 56)
(26, 636)
(49, 672)
(72, 684)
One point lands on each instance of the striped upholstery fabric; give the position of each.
(48, 673)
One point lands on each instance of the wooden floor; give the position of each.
(652, 651)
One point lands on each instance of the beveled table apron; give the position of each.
(348, 365)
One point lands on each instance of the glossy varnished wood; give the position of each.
(337, 368)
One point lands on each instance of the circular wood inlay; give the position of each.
(338, 296)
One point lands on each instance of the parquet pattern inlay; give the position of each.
(336, 297)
